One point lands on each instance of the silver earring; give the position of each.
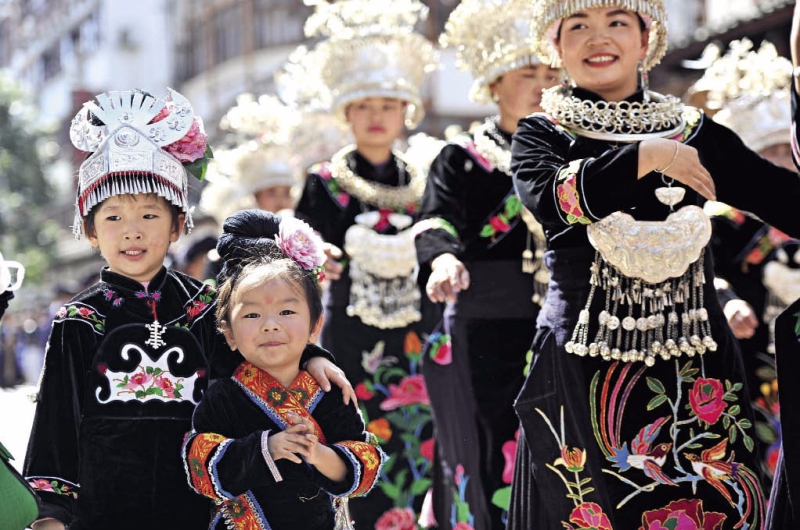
(566, 83)
(644, 81)
(495, 97)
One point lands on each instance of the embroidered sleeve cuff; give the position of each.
(273, 468)
(366, 461)
(569, 196)
(202, 453)
(435, 223)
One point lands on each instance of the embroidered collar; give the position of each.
(634, 119)
(494, 144)
(125, 283)
(373, 193)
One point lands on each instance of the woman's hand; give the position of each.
(48, 524)
(333, 269)
(741, 318)
(326, 372)
(448, 277)
(678, 161)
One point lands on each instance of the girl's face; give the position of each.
(519, 92)
(275, 198)
(270, 324)
(376, 122)
(601, 49)
(133, 233)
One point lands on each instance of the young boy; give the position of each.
(129, 358)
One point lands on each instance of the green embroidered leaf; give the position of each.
(157, 391)
(587, 491)
(726, 422)
(513, 206)
(737, 387)
(765, 433)
(502, 498)
(744, 423)
(585, 481)
(729, 397)
(487, 231)
(389, 489)
(748, 443)
(149, 370)
(420, 486)
(735, 410)
(655, 385)
(797, 324)
(463, 514)
(177, 394)
(656, 402)
(727, 385)
(694, 446)
(140, 394)
(732, 434)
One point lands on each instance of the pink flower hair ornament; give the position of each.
(299, 242)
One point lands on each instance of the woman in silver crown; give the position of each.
(635, 413)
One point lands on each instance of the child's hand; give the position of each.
(290, 444)
(313, 448)
(326, 372)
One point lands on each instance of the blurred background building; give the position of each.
(66, 51)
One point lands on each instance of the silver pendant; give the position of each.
(670, 196)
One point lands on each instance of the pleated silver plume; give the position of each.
(490, 38)
(127, 155)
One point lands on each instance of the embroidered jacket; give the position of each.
(227, 456)
(116, 399)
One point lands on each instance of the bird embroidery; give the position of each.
(712, 466)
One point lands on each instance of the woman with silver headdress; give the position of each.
(482, 255)
(635, 413)
(370, 66)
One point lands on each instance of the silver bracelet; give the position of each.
(674, 158)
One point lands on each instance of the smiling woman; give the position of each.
(636, 408)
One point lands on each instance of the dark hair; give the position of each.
(88, 221)
(247, 247)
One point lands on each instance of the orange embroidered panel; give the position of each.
(371, 460)
(245, 514)
(276, 401)
(202, 446)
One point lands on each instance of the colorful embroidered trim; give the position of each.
(212, 470)
(323, 171)
(275, 400)
(504, 218)
(692, 117)
(769, 241)
(468, 144)
(200, 305)
(201, 447)
(244, 513)
(435, 223)
(82, 313)
(273, 467)
(54, 485)
(720, 209)
(367, 461)
(567, 194)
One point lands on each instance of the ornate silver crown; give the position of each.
(490, 37)
(127, 149)
(370, 49)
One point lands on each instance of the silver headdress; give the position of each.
(491, 38)
(262, 130)
(370, 49)
(138, 144)
(547, 16)
(750, 90)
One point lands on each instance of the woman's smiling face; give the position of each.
(601, 49)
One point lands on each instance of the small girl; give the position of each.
(268, 445)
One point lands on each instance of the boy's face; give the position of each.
(270, 324)
(133, 233)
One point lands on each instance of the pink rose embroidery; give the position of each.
(682, 515)
(410, 391)
(509, 450)
(590, 515)
(85, 312)
(41, 485)
(499, 225)
(569, 202)
(166, 386)
(397, 519)
(444, 353)
(363, 393)
(139, 379)
(426, 448)
(706, 400)
(463, 526)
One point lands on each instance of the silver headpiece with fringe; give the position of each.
(138, 144)
(490, 38)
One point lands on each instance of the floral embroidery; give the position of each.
(588, 516)
(204, 300)
(113, 297)
(682, 514)
(504, 219)
(692, 117)
(397, 519)
(323, 170)
(201, 448)
(404, 397)
(720, 209)
(371, 458)
(567, 194)
(434, 223)
(709, 401)
(148, 381)
(83, 313)
(440, 348)
(764, 245)
(502, 497)
(461, 514)
(53, 486)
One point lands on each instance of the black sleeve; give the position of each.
(749, 182)
(442, 211)
(312, 350)
(563, 190)
(317, 208)
(5, 297)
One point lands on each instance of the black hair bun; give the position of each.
(247, 235)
